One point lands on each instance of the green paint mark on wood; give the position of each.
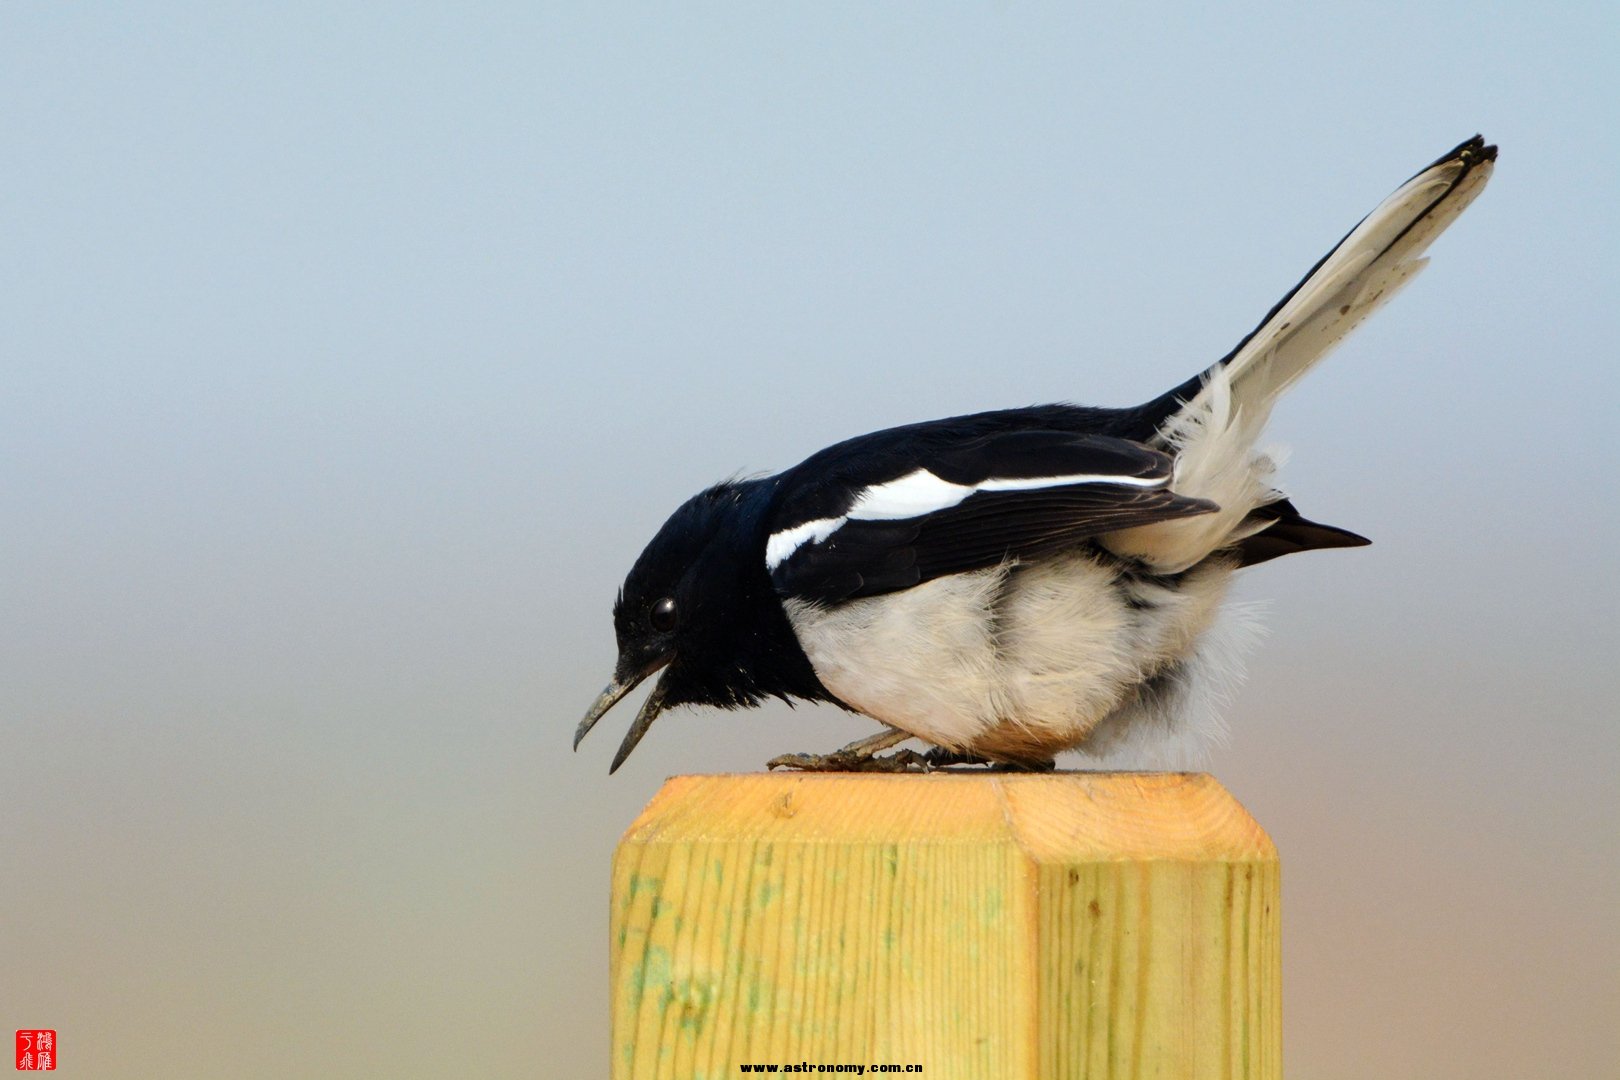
(652, 971)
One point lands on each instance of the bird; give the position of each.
(1008, 585)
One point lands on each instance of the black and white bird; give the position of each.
(1011, 584)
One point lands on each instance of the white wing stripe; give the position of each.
(1032, 482)
(919, 493)
(912, 495)
(785, 543)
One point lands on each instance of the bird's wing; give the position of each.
(875, 524)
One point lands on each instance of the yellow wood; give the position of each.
(1093, 925)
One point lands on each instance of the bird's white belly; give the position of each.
(1014, 661)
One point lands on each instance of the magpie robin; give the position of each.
(1010, 584)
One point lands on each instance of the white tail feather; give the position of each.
(1368, 267)
(1213, 435)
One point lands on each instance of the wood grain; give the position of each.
(1062, 925)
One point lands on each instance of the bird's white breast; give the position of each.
(1016, 661)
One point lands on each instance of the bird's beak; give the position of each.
(649, 712)
(621, 684)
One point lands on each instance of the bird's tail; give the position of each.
(1212, 421)
(1378, 257)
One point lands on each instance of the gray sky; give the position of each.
(348, 358)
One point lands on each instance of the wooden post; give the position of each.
(1001, 926)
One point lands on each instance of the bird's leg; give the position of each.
(858, 756)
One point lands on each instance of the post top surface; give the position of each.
(1057, 817)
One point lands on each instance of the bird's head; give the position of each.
(698, 606)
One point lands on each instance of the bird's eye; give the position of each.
(662, 616)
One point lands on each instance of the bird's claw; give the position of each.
(901, 761)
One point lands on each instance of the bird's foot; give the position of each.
(859, 756)
(862, 756)
(841, 761)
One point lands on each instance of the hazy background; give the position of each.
(349, 356)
